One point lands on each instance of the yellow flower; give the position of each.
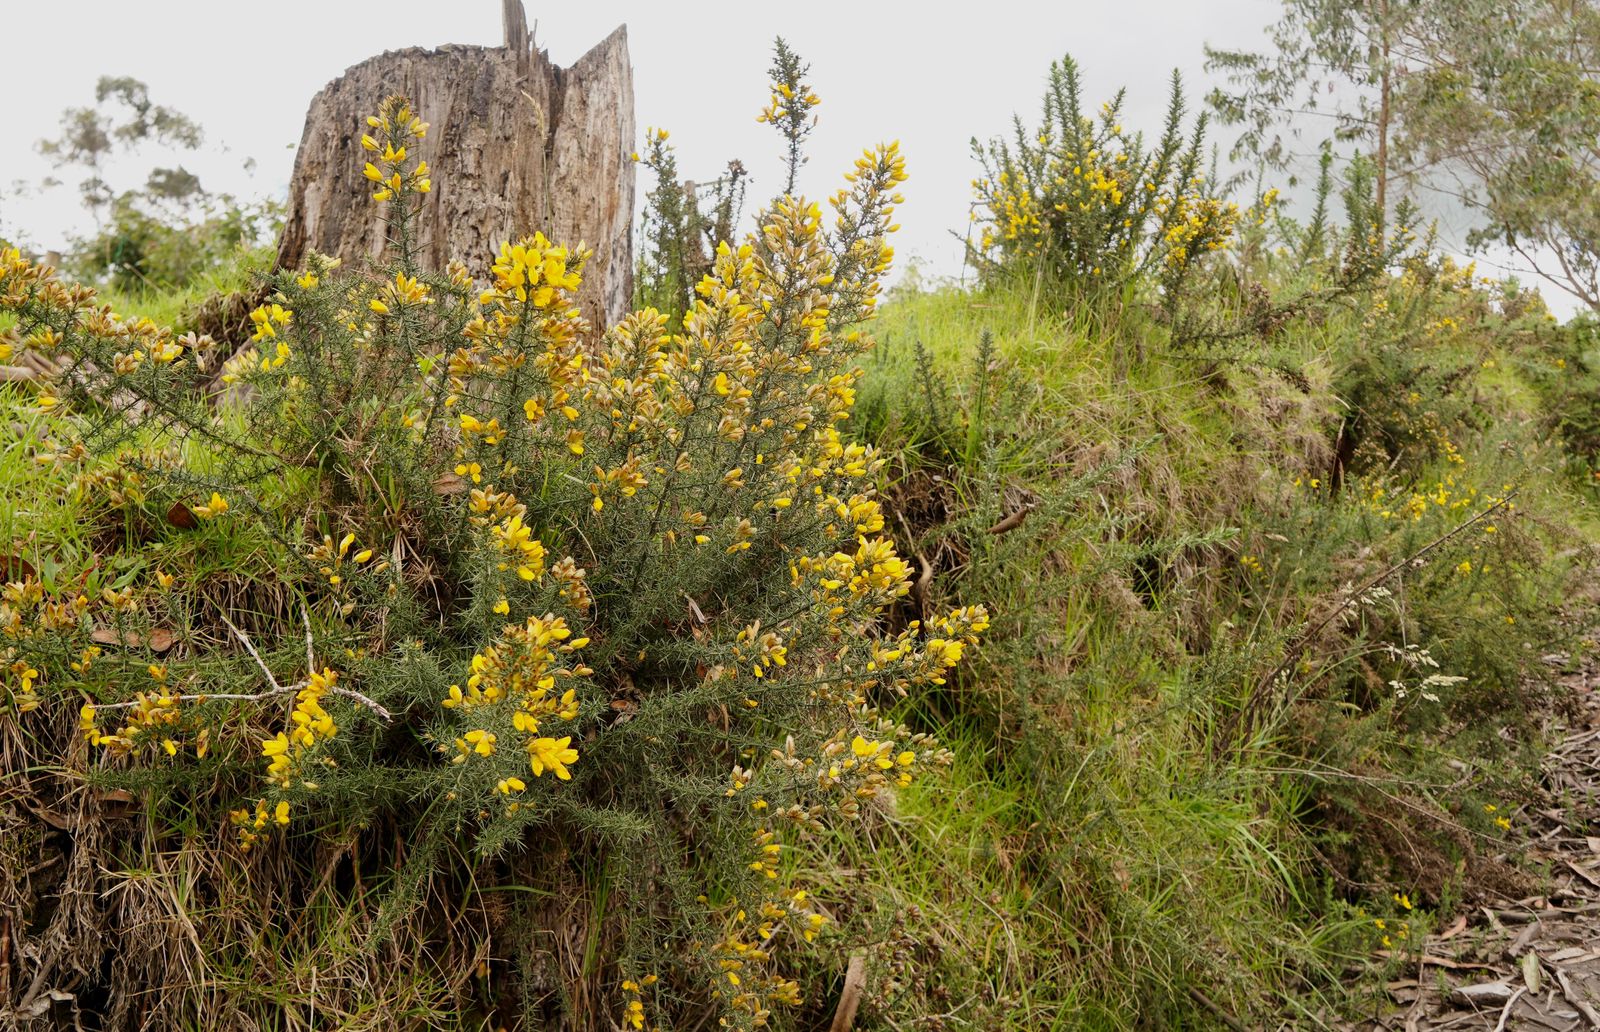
(551, 754)
(215, 507)
(481, 742)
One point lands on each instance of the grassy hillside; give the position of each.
(1151, 635)
(1190, 531)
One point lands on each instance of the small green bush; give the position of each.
(1084, 204)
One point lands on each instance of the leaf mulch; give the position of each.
(1531, 963)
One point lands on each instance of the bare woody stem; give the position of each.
(276, 690)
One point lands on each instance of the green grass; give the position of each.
(241, 271)
(1096, 856)
(1133, 875)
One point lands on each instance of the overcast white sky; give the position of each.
(931, 74)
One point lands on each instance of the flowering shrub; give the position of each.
(1081, 201)
(524, 586)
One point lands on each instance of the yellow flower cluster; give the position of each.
(633, 1001)
(536, 272)
(744, 976)
(154, 717)
(51, 310)
(215, 506)
(310, 725)
(513, 687)
(335, 561)
(786, 102)
(28, 615)
(526, 552)
(1195, 224)
(398, 129)
(1447, 494)
(253, 826)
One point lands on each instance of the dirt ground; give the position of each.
(1530, 963)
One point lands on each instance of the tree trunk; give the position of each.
(515, 145)
(1384, 106)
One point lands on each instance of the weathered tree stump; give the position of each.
(515, 145)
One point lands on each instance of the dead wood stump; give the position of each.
(515, 145)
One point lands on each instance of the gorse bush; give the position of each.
(527, 591)
(683, 224)
(1085, 204)
(680, 229)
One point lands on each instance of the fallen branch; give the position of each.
(855, 981)
(287, 689)
(1576, 1000)
(1216, 1010)
(1442, 962)
(311, 656)
(1500, 1026)
(250, 647)
(276, 690)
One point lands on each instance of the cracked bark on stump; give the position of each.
(515, 144)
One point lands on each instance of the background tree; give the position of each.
(1496, 105)
(1333, 59)
(165, 232)
(122, 118)
(1508, 113)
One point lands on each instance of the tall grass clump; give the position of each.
(1259, 707)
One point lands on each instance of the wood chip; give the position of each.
(1482, 994)
(1524, 937)
(1587, 876)
(1588, 1011)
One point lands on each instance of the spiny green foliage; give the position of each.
(542, 598)
(1082, 203)
(680, 233)
(1205, 791)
